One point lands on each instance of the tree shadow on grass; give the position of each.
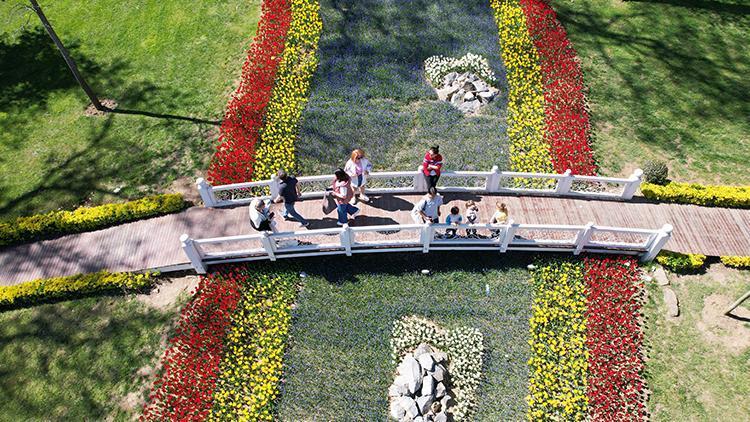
(713, 6)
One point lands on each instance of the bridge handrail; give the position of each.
(506, 238)
(564, 185)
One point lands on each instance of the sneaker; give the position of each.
(338, 223)
(364, 198)
(306, 224)
(353, 200)
(288, 218)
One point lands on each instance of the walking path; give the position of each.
(154, 243)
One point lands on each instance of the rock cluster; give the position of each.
(466, 91)
(420, 391)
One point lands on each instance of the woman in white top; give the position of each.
(260, 217)
(358, 168)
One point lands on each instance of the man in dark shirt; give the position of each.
(289, 194)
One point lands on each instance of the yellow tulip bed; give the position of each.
(298, 63)
(526, 127)
(251, 368)
(559, 358)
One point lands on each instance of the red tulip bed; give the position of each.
(243, 120)
(565, 110)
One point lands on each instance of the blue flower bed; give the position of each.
(370, 92)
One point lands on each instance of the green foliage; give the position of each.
(681, 263)
(48, 289)
(59, 223)
(656, 172)
(742, 262)
(693, 193)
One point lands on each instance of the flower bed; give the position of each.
(736, 261)
(693, 193)
(251, 369)
(239, 133)
(559, 359)
(529, 152)
(566, 112)
(48, 289)
(680, 262)
(185, 385)
(614, 340)
(299, 61)
(60, 223)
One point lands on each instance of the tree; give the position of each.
(68, 60)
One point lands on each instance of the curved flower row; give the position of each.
(614, 340)
(239, 133)
(251, 367)
(276, 149)
(185, 385)
(529, 152)
(566, 112)
(559, 359)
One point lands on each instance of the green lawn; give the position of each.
(77, 360)
(693, 371)
(165, 57)
(338, 364)
(668, 80)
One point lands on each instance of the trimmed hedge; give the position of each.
(736, 261)
(59, 223)
(693, 193)
(47, 289)
(681, 263)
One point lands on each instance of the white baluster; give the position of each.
(193, 253)
(634, 182)
(207, 193)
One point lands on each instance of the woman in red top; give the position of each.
(343, 193)
(431, 165)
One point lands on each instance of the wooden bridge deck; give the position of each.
(154, 243)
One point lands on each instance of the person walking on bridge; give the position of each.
(343, 193)
(431, 165)
(358, 168)
(427, 210)
(289, 194)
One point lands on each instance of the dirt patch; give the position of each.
(165, 295)
(720, 330)
(91, 111)
(186, 187)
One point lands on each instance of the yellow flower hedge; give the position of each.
(693, 193)
(71, 286)
(251, 368)
(680, 262)
(290, 93)
(529, 152)
(58, 223)
(736, 261)
(559, 357)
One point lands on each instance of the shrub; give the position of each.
(656, 172)
(436, 67)
(59, 223)
(47, 289)
(692, 193)
(736, 261)
(681, 263)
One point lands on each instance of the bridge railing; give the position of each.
(493, 181)
(425, 238)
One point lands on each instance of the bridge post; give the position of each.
(633, 184)
(193, 253)
(564, 184)
(268, 245)
(420, 184)
(207, 193)
(508, 236)
(658, 243)
(273, 186)
(493, 180)
(583, 238)
(426, 236)
(346, 239)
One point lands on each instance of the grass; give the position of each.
(668, 80)
(338, 364)
(690, 377)
(369, 90)
(76, 360)
(159, 57)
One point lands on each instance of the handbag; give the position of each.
(329, 204)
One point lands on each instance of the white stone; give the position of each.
(468, 96)
(661, 277)
(426, 361)
(670, 299)
(440, 390)
(397, 412)
(424, 403)
(446, 401)
(439, 356)
(409, 406)
(412, 372)
(445, 93)
(428, 386)
(398, 389)
(438, 372)
(441, 417)
(422, 348)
